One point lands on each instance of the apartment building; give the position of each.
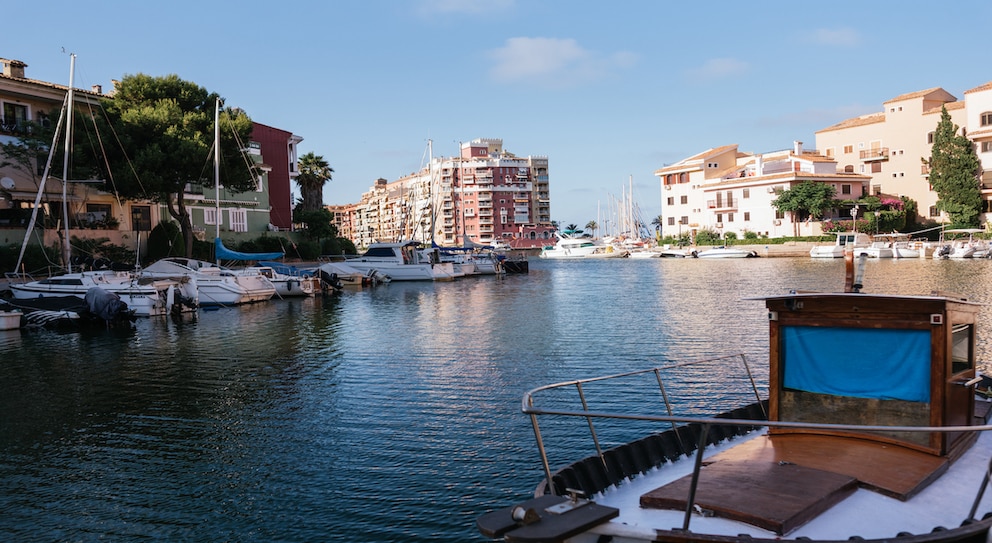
(486, 196)
(726, 190)
(891, 146)
(24, 101)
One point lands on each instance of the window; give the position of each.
(671, 221)
(830, 151)
(14, 116)
(986, 146)
(684, 220)
(209, 216)
(779, 214)
(930, 138)
(848, 149)
(933, 211)
(671, 200)
(684, 200)
(746, 193)
(141, 218)
(730, 217)
(747, 216)
(719, 217)
(845, 189)
(876, 167)
(986, 118)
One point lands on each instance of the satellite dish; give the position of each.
(7, 183)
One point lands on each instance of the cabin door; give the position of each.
(958, 395)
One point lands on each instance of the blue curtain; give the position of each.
(883, 364)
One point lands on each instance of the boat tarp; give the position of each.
(223, 253)
(287, 269)
(884, 364)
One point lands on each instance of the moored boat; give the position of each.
(886, 439)
(570, 248)
(845, 240)
(402, 261)
(215, 285)
(724, 252)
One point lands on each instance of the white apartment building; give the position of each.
(726, 190)
(891, 145)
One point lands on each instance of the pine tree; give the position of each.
(954, 174)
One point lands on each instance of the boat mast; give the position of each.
(66, 250)
(41, 186)
(217, 173)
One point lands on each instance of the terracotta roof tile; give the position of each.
(871, 118)
(980, 88)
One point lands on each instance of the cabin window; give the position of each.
(961, 357)
(899, 362)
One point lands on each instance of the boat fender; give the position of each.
(694, 254)
(289, 285)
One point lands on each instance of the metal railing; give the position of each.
(705, 423)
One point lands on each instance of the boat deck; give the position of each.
(781, 482)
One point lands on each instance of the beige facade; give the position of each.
(725, 190)
(891, 145)
(486, 195)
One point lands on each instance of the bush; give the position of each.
(166, 239)
(37, 259)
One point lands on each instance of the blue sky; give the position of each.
(606, 90)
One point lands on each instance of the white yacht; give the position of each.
(147, 297)
(402, 261)
(215, 285)
(844, 241)
(572, 248)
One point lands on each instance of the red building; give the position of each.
(278, 149)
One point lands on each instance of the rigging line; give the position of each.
(127, 158)
(110, 174)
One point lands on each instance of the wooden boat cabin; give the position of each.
(847, 360)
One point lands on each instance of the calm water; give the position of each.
(383, 415)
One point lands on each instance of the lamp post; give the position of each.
(878, 215)
(854, 215)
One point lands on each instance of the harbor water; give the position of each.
(388, 414)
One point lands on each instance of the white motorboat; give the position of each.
(402, 261)
(645, 253)
(570, 248)
(147, 297)
(215, 285)
(953, 247)
(878, 248)
(286, 285)
(347, 276)
(844, 241)
(724, 252)
(884, 440)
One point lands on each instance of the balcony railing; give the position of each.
(872, 155)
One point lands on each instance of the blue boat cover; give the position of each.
(883, 364)
(223, 253)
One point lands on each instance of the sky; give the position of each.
(608, 91)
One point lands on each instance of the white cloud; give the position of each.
(553, 62)
(842, 37)
(719, 68)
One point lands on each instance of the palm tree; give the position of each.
(314, 172)
(592, 226)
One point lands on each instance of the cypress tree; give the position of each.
(955, 174)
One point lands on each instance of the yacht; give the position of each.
(568, 247)
(216, 285)
(402, 261)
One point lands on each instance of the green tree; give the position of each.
(314, 173)
(592, 226)
(316, 224)
(808, 198)
(954, 174)
(165, 127)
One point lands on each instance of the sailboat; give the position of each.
(217, 285)
(143, 298)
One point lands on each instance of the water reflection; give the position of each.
(387, 414)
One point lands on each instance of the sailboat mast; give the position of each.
(430, 186)
(66, 249)
(217, 172)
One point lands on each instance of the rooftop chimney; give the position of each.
(97, 89)
(797, 147)
(13, 68)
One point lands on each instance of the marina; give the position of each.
(381, 414)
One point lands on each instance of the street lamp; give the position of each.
(854, 215)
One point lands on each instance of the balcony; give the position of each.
(874, 155)
(727, 205)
